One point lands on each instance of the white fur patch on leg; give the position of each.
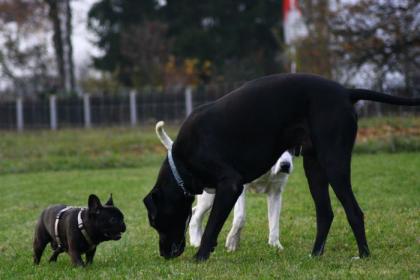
(204, 204)
(233, 238)
(232, 242)
(195, 234)
(276, 244)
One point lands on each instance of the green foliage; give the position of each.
(235, 36)
(386, 186)
(226, 32)
(108, 19)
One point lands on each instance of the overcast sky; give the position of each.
(82, 38)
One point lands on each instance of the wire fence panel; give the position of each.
(157, 105)
(36, 114)
(70, 111)
(109, 110)
(8, 115)
(150, 105)
(366, 109)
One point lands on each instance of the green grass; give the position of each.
(70, 149)
(38, 168)
(386, 185)
(105, 148)
(394, 121)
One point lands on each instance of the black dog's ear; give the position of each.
(94, 204)
(110, 202)
(151, 208)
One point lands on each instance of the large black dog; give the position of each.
(234, 140)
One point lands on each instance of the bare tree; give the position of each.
(314, 54)
(383, 34)
(24, 59)
(60, 16)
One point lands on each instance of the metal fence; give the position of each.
(133, 108)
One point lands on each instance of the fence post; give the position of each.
(53, 112)
(86, 110)
(133, 108)
(19, 114)
(188, 100)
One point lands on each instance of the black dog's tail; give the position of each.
(365, 94)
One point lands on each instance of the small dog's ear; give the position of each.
(94, 204)
(110, 202)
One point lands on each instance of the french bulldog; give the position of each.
(77, 230)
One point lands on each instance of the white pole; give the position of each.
(86, 110)
(293, 55)
(133, 108)
(188, 100)
(19, 114)
(53, 112)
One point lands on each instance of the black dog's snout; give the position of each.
(285, 167)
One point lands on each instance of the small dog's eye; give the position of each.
(112, 221)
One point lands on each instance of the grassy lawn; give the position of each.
(386, 185)
(38, 168)
(104, 148)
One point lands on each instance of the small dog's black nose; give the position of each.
(285, 167)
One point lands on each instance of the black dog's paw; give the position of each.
(199, 257)
(364, 254)
(316, 253)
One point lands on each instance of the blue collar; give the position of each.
(176, 174)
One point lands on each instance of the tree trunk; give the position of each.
(60, 16)
(58, 42)
(69, 44)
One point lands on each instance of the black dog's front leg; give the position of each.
(55, 254)
(89, 256)
(226, 195)
(76, 257)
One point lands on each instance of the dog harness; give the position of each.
(176, 175)
(79, 224)
(57, 220)
(83, 230)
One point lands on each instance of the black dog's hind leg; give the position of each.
(334, 153)
(89, 256)
(339, 177)
(226, 195)
(41, 239)
(318, 185)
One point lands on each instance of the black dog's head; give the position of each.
(106, 220)
(169, 210)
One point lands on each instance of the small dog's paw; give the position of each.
(355, 258)
(232, 243)
(276, 244)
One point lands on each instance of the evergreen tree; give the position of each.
(108, 20)
(237, 37)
